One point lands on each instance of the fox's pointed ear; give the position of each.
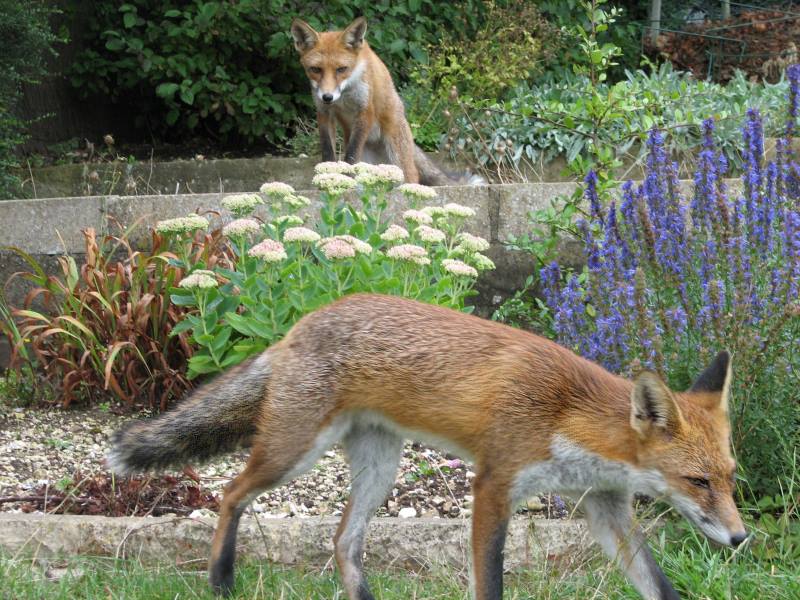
(353, 35)
(653, 407)
(716, 378)
(305, 38)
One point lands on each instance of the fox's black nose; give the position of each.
(737, 539)
(327, 98)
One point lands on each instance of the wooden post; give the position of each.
(655, 20)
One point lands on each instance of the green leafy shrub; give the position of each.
(26, 40)
(513, 45)
(625, 34)
(560, 118)
(229, 69)
(242, 310)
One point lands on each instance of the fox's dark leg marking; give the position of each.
(489, 525)
(257, 476)
(493, 566)
(610, 518)
(221, 569)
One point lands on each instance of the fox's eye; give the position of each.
(341, 69)
(700, 482)
(315, 69)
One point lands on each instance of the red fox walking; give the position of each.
(351, 85)
(369, 371)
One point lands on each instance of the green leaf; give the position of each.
(187, 95)
(129, 19)
(180, 300)
(221, 339)
(233, 358)
(184, 325)
(167, 90)
(115, 44)
(201, 364)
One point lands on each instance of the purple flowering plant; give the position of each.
(675, 273)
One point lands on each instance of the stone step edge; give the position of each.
(391, 542)
(559, 187)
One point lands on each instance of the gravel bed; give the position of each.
(39, 447)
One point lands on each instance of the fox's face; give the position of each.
(685, 438)
(331, 59)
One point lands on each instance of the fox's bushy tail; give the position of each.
(430, 174)
(218, 417)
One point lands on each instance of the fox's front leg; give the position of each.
(356, 136)
(489, 526)
(610, 517)
(327, 136)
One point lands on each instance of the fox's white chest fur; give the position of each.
(572, 471)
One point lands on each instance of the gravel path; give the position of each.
(40, 447)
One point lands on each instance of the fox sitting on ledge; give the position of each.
(351, 86)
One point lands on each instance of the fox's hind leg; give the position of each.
(256, 477)
(374, 453)
(272, 462)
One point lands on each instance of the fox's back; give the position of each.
(417, 363)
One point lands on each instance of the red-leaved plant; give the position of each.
(103, 329)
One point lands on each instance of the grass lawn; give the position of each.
(697, 571)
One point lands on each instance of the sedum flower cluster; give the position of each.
(187, 224)
(241, 205)
(200, 279)
(334, 183)
(270, 251)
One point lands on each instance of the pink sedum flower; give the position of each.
(240, 227)
(409, 253)
(417, 216)
(333, 183)
(277, 190)
(270, 251)
(431, 235)
(337, 249)
(394, 233)
(300, 234)
(460, 268)
(338, 166)
(199, 280)
(416, 191)
(471, 243)
(458, 210)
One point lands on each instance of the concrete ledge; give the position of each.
(391, 542)
(228, 175)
